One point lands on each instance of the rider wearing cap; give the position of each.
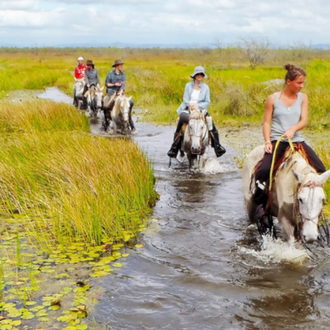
(196, 95)
(80, 69)
(115, 83)
(79, 73)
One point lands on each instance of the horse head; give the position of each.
(124, 106)
(99, 97)
(197, 131)
(79, 86)
(310, 198)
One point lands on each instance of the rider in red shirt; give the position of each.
(79, 73)
(80, 70)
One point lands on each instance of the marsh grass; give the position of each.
(69, 184)
(61, 187)
(75, 186)
(322, 149)
(156, 78)
(40, 116)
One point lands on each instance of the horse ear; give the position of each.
(298, 176)
(324, 177)
(101, 89)
(129, 98)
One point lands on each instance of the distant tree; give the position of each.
(301, 50)
(219, 44)
(256, 50)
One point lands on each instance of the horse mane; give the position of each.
(92, 90)
(116, 107)
(196, 114)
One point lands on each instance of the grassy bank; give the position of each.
(68, 203)
(156, 78)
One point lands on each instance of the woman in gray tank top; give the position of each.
(286, 113)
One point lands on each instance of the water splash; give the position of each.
(277, 251)
(212, 166)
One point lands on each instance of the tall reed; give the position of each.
(66, 182)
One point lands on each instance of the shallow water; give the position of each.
(202, 265)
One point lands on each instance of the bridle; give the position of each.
(311, 185)
(201, 137)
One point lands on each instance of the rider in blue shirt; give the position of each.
(115, 83)
(196, 94)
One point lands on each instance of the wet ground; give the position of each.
(201, 265)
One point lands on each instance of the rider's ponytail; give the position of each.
(293, 72)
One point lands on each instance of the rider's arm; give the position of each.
(76, 73)
(266, 126)
(87, 79)
(303, 119)
(203, 105)
(186, 96)
(97, 78)
(107, 80)
(123, 81)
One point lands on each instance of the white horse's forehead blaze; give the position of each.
(125, 104)
(196, 127)
(311, 202)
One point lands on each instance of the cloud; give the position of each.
(161, 22)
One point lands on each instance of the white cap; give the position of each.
(80, 58)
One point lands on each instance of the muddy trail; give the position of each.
(202, 264)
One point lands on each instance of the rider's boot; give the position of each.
(218, 148)
(107, 119)
(84, 102)
(263, 219)
(175, 145)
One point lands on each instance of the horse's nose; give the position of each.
(195, 150)
(311, 238)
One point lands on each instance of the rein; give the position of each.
(273, 160)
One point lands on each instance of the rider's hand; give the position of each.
(289, 133)
(269, 148)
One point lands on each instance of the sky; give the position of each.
(53, 23)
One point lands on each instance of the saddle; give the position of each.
(108, 100)
(284, 160)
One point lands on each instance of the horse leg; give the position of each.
(192, 161)
(286, 225)
(114, 124)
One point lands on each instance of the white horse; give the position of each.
(94, 99)
(296, 197)
(196, 140)
(78, 90)
(120, 114)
